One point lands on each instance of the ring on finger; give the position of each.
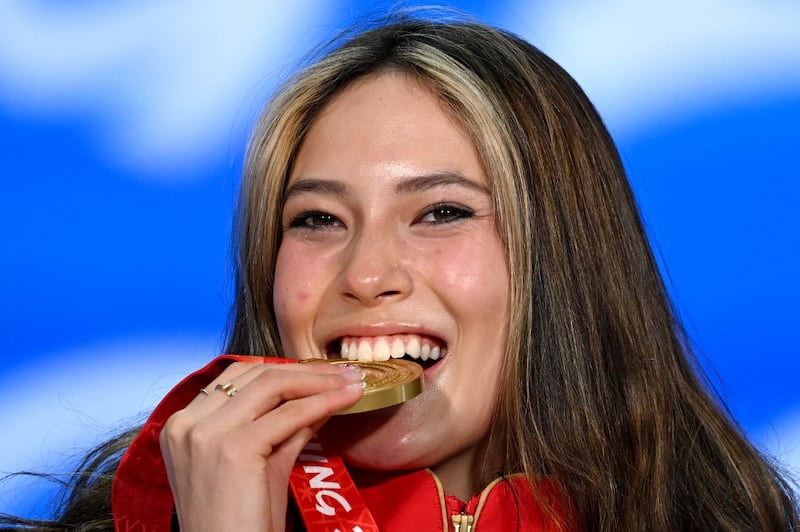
(227, 387)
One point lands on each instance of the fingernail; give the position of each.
(354, 374)
(352, 369)
(356, 385)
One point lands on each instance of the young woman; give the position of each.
(445, 189)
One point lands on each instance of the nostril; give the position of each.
(389, 293)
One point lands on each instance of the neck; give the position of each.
(468, 472)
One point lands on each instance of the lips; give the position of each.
(378, 348)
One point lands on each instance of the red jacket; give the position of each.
(141, 499)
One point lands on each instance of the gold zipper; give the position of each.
(462, 522)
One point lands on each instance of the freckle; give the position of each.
(303, 296)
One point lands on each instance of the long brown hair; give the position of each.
(602, 391)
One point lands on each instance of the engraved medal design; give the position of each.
(388, 383)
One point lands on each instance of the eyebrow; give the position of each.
(438, 179)
(325, 187)
(409, 185)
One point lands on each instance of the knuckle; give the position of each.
(237, 368)
(175, 427)
(200, 435)
(270, 377)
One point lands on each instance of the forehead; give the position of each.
(387, 122)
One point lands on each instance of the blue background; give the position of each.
(122, 128)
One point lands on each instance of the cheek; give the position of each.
(293, 288)
(290, 298)
(303, 276)
(472, 270)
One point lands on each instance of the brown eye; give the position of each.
(444, 213)
(314, 220)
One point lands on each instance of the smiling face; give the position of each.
(389, 247)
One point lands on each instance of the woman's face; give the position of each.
(389, 242)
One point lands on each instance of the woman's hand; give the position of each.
(229, 457)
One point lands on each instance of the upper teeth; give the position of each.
(385, 347)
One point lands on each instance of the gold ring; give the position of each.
(227, 387)
(203, 391)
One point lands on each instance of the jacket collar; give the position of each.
(415, 500)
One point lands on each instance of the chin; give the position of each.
(387, 439)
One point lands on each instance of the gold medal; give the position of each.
(388, 383)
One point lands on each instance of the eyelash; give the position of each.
(320, 220)
(314, 220)
(452, 213)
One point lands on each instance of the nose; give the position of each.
(375, 269)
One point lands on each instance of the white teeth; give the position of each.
(398, 348)
(352, 351)
(425, 352)
(364, 351)
(413, 347)
(381, 350)
(435, 352)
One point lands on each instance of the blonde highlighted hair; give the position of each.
(601, 390)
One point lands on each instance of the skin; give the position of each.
(225, 456)
(393, 254)
(388, 228)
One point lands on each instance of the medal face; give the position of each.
(388, 383)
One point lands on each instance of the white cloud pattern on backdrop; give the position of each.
(645, 63)
(197, 62)
(81, 397)
(168, 80)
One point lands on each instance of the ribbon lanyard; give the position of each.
(327, 497)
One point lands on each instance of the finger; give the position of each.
(226, 431)
(282, 459)
(239, 374)
(211, 397)
(289, 450)
(269, 389)
(274, 428)
(237, 369)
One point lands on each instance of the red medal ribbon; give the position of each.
(327, 497)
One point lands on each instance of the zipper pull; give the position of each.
(462, 522)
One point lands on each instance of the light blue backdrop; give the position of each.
(122, 127)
